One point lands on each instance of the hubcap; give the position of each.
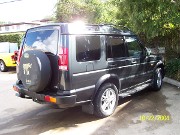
(1, 66)
(108, 101)
(159, 79)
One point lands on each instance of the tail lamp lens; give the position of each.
(63, 59)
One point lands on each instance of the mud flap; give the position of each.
(88, 108)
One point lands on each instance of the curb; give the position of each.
(171, 81)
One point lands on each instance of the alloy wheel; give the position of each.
(108, 101)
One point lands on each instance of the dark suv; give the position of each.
(90, 65)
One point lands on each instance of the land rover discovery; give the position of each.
(89, 65)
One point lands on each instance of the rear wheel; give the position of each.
(157, 82)
(106, 100)
(3, 67)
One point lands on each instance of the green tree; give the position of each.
(91, 11)
(152, 17)
(13, 38)
(157, 20)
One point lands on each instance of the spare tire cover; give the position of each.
(34, 70)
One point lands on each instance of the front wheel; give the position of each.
(157, 82)
(106, 100)
(3, 67)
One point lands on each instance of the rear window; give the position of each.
(45, 40)
(87, 48)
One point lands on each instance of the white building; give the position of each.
(16, 27)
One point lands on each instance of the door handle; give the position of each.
(112, 65)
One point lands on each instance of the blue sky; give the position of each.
(26, 10)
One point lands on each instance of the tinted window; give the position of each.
(87, 48)
(134, 48)
(116, 47)
(4, 48)
(45, 40)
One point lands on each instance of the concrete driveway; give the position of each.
(144, 113)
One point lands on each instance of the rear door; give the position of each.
(137, 68)
(86, 64)
(117, 59)
(46, 40)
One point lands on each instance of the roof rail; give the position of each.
(117, 26)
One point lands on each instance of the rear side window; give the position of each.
(45, 40)
(116, 47)
(87, 48)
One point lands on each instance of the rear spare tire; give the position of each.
(34, 70)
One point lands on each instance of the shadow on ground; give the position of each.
(148, 103)
(48, 119)
(11, 70)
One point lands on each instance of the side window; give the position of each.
(116, 47)
(134, 48)
(87, 48)
(13, 47)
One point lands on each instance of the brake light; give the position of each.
(19, 55)
(63, 59)
(13, 57)
(16, 53)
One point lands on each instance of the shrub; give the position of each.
(173, 69)
(13, 38)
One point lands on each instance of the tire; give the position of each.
(157, 81)
(106, 100)
(35, 70)
(3, 67)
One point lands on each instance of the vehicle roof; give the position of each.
(101, 29)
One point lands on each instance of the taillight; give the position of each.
(13, 57)
(63, 59)
(16, 53)
(19, 55)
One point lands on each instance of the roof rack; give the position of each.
(117, 26)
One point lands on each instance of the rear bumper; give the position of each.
(63, 101)
(10, 63)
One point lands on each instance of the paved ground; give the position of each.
(24, 117)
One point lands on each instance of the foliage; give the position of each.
(90, 11)
(171, 42)
(13, 38)
(173, 69)
(157, 21)
(152, 17)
